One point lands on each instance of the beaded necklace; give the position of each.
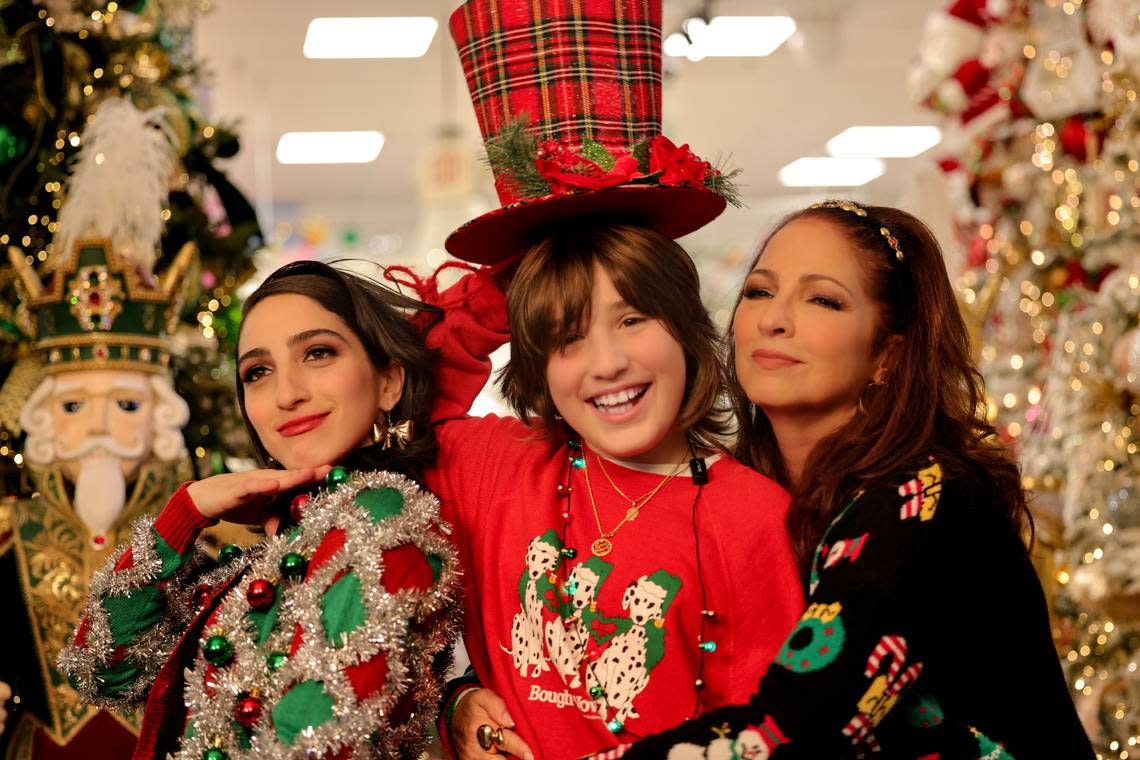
(565, 490)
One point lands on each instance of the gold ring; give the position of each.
(490, 739)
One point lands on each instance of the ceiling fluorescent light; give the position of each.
(329, 147)
(883, 142)
(822, 171)
(730, 37)
(370, 37)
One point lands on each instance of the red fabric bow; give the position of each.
(565, 170)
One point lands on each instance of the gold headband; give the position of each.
(857, 210)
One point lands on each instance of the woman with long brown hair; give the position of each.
(926, 632)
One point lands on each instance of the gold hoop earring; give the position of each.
(859, 401)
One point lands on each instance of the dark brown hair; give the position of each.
(550, 295)
(931, 400)
(376, 315)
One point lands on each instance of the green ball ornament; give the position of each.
(275, 660)
(218, 650)
(215, 753)
(11, 145)
(293, 565)
(229, 553)
(336, 476)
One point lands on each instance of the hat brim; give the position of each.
(507, 232)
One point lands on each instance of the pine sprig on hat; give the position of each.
(721, 182)
(510, 155)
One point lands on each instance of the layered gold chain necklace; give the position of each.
(603, 544)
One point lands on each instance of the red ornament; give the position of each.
(260, 594)
(1074, 138)
(563, 490)
(248, 711)
(202, 594)
(297, 506)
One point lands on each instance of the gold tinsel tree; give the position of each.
(1042, 153)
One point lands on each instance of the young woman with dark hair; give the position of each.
(926, 633)
(323, 639)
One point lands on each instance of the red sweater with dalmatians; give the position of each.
(926, 637)
(583, 648)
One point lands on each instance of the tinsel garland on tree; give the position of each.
(1042, 149)
(58, 60)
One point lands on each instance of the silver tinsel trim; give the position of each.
(396, 624)
(152, 648)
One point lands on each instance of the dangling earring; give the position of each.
(401, 432)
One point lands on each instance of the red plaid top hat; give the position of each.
(568, 98)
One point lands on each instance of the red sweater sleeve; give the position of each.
(178, 525)
(473, 326)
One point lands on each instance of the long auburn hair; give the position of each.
(931, 400)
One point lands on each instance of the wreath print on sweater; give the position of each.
(560, 627)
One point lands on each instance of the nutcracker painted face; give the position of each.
(101, 413)
(98, 426)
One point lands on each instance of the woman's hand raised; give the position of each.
(240, 497)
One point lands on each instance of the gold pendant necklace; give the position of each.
(603, 544)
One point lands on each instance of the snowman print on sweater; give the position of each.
(754, 742)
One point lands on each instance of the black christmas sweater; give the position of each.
(926, 637)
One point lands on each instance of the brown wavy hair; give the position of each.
(550, 294)
(931, 401)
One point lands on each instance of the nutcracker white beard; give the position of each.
(100, 488)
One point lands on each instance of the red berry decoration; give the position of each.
(260, 594)
(247, 711)
(297, 506)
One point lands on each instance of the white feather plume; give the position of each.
(119, 184)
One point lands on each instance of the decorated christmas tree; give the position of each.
(1042, 154)
(59, 59)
